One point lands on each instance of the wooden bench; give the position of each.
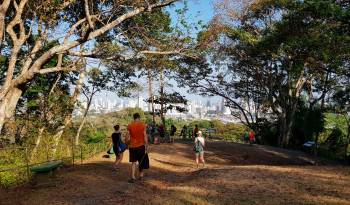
(44, 174)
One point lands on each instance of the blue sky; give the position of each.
(198, 10)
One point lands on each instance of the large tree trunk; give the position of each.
(8, 105)
(289, 111)
(283, 127)
(77, 136)
(150, 93)
(57, 137)
(162, 103)
(287, 125)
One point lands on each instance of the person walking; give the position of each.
(172, 133)
(184, 132)
(118, 146)
(199, 144)
(195, 131)
(138, 145)
(251, 137)
(161, 132)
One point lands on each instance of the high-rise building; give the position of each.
(208, 103)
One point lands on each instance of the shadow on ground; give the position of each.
(222, 153)
(260, 178)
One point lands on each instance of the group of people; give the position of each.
(189, 133)
(157, 132)
(249, 137)
(137, 142)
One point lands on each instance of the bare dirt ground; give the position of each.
(235, 174)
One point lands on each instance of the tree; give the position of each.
(28, 24)
(111, 79)
(266, 57)
(149, 42)
(96, 81)
(341, 100)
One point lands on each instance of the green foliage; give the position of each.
(202, 124)
(267, 132)
(170, 101)
(307, 124)
(94, 135)
(228, 132)
(12, 158)
(335, 140)
(12, 178)
(274, 52)
(338, 121)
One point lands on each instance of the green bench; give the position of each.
(44, 173)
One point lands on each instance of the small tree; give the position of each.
(342, 106)
(169, 101)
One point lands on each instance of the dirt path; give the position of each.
(236, 174)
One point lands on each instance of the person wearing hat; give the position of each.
(199, 144)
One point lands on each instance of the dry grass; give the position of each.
(236, 174)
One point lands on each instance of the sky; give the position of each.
(198, 10)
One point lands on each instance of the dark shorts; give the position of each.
(116, 150)
(136, 154)
(139, 154)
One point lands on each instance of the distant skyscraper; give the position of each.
(208, 103)
(222, 105)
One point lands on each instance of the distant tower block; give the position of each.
(208, 103)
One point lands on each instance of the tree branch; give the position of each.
(35, 68)
(87, 13)
(17, 42)
(72, 67)
(3, 9)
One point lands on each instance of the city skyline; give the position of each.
(196, 109)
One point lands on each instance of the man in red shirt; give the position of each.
(251, 137)
(138, 143)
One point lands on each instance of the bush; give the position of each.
(94, 135)
(267, 132)
(308, 123)
(12, 159)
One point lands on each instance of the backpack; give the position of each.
(196, 146)
(122, 146)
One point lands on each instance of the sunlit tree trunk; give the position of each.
(150, 93)
(162, 110)
(8, 105)
(3, 9)
(37, 143)
(77, 136)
